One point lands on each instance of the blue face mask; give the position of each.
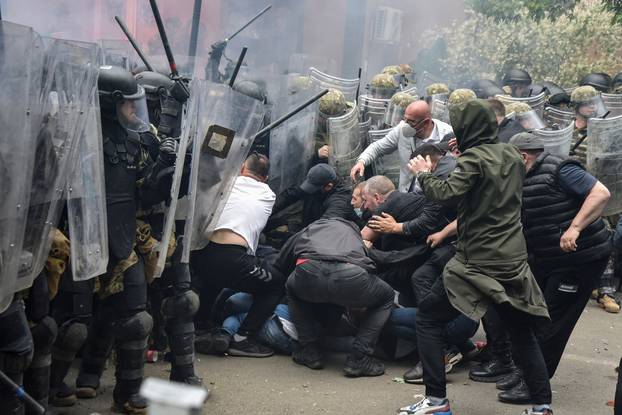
(359, 212)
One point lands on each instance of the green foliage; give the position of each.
(511, 9)
(561, 50)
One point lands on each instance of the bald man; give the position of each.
(417, 128)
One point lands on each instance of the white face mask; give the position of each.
(408, 131)
(359, 212)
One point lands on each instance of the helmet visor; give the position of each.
(133, 114)
(530, 120)
(593, 108)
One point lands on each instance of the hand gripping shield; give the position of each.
(345, 142)
(226, 125)
(604, 157)
(86, 199)
(387, 165)
(556, 142)
(292, 145)
(69, 67)
(21, 82)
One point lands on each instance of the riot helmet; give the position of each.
(518, 80)
(120, 94)
(527, 117)
(599, 80)
(616, 83)
(485, 88)
(156, 86)
(587, 104)
(460, 97)
(556, 95)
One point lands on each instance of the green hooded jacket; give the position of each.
(487, 187)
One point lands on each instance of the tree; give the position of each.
(511, 9)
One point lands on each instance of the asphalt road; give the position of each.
(583, 384)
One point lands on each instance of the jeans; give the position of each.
(457, 332)
(344, 285)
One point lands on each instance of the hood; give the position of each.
(473, 125)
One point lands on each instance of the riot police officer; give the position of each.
(121, 319)
(599, 80)
(520, 83)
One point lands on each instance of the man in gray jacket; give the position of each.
(417, 128)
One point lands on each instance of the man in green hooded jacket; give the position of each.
(490, 266)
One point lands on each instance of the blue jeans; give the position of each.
(271, 333)
(457, 332)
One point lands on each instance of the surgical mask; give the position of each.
(408, 131)
(359, 212)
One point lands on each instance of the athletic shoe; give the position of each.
(424, 407)
(359, 364)
(249, 348)
(534, 412)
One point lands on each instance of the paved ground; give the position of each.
(583, 384)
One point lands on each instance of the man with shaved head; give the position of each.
(416, 129)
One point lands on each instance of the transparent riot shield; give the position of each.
(439, 108)
(364, 129)
(345, 142)
(387, 165)
(70, 69)
(86, 199)
(536, 102)
(188, 124)
(117, 52)
(347, 86)
(557, 142)
(613, 102)
(374, 110)
(22, 84)
(292, 147)
(220, 145)
(397, 108)
(557, 118)
(604, 157)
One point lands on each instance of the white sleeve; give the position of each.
(386, 145)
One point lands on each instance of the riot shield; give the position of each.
(556, 118)
(70, 69)
(536, 102)
(604, 157)
(347, 86)
(397, 108)
(86, 199)
(374, 110)
(188, 123)
(613, 102)
(292, 145)
(388, 165)
(345, 142)
(364, 129)
(221, 143)
(557, 142)
(117, 52)
(439, 108)
(22, 84)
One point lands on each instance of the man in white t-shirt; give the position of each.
(417, 128)
(229, 261)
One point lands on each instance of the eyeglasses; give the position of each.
(414, 123)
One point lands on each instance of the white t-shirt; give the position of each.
(247, 210)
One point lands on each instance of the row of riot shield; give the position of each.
(613, 102)
(226, 123)
(374, 110)
(49, 94)
(556, 142)
(536, 102)
(439, 107)
(324, 81)
(557, 118)
(604, 157)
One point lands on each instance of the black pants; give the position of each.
(221, 266)
(617, 410)
(431, 321)
(566, 291)
(341, 284)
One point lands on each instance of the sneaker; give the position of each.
(415, 375)
(609, 303)
(309, 356)
(135, 405)
(63, 396)
(424, 407)
(534, 412)
(249, 348)
(359, 364)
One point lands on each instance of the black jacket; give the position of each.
(334, 204)
(508, 128)
(547, 213)
(331, 239)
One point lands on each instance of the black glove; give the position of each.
(168, 151)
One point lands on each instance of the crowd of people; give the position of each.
(482, 224)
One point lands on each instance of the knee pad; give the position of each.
(135, 327)
(184, 305)
(44, 333)
(71, 336)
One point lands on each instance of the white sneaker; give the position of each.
(424, 407)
